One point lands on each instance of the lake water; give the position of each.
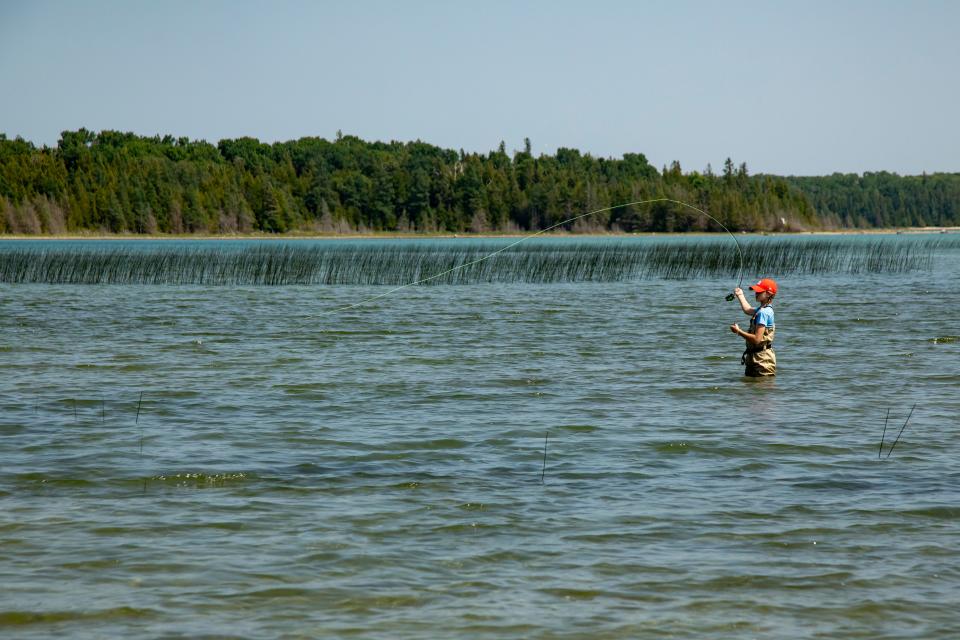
(379, 472)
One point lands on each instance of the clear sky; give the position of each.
(806, 87)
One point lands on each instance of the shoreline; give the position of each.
(393, 235)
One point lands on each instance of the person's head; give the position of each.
(765, 290)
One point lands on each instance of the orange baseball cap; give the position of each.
(767, 284)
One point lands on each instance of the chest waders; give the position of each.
(760, 360)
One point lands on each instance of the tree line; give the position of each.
(883, 199)
(124, 183)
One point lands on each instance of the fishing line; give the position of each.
(883, 437)
(136, 422)
(543, 472)
(901, 429)
(542, 231)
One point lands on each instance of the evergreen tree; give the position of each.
(121, 182)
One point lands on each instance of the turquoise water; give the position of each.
(377, 473)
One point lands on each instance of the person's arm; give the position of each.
(747, 309)
(753, 339)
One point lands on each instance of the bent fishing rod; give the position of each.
(541, 232)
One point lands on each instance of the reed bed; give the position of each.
(399, 262)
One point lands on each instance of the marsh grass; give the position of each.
(397, 263)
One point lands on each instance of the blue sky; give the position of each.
(802, 88)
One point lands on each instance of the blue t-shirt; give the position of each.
(764, 316)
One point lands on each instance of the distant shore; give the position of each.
(390, 235)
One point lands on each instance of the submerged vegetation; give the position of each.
(460, 262)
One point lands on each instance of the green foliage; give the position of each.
(124, 183)
(884, 199)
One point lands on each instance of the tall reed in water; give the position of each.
(400, 262)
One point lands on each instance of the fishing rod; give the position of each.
(541, 232)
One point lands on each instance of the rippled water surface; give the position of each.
(380, 472)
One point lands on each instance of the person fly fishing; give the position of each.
(758, 356)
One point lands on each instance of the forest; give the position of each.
(123, 183)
